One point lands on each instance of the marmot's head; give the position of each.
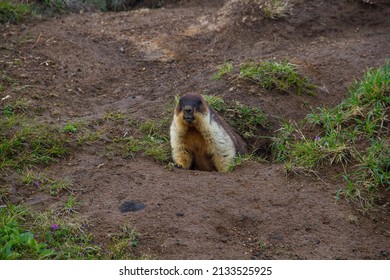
(191, 106)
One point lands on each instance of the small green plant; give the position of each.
(71, 204)
(71, 128)
(65, 235)
(171, 165)
(308, 154)
(157, 148)
(282, 76)
(223, 70)
(17, 243)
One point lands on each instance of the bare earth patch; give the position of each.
(81, 67)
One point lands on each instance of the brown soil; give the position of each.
(81, 66)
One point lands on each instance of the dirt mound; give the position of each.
(81, 67)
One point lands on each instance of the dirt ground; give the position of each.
(81, 66)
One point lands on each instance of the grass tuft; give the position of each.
(151, 138)
(223, 70)
(276, 9)
(270, 75)
(216, 102)
(282, 76)
(354, 132)
(46, 184)
(24, 143)
(122, 243)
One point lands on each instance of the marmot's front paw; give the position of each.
(178, 165)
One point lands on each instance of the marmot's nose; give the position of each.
(188, 110)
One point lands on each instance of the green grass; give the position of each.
(216, 102)
(56, 236)
(16, 242)
(15, 12)
(354, 133)
(125, 147)
(150, 138)
(43, 183)
(155, 139)
(87, 137)
(11, 12)
(122, 243)
(223, 70)
(58, 233)
(25, 143)
(282, 76)
(270, 75)
(53, 7)
(281, 145)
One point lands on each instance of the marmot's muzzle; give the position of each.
(188, 113)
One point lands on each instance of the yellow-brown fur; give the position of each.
(200, 138)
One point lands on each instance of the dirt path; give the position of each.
(83, 66)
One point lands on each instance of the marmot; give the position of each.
(200, 138)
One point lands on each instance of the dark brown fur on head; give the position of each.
(190, 104)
